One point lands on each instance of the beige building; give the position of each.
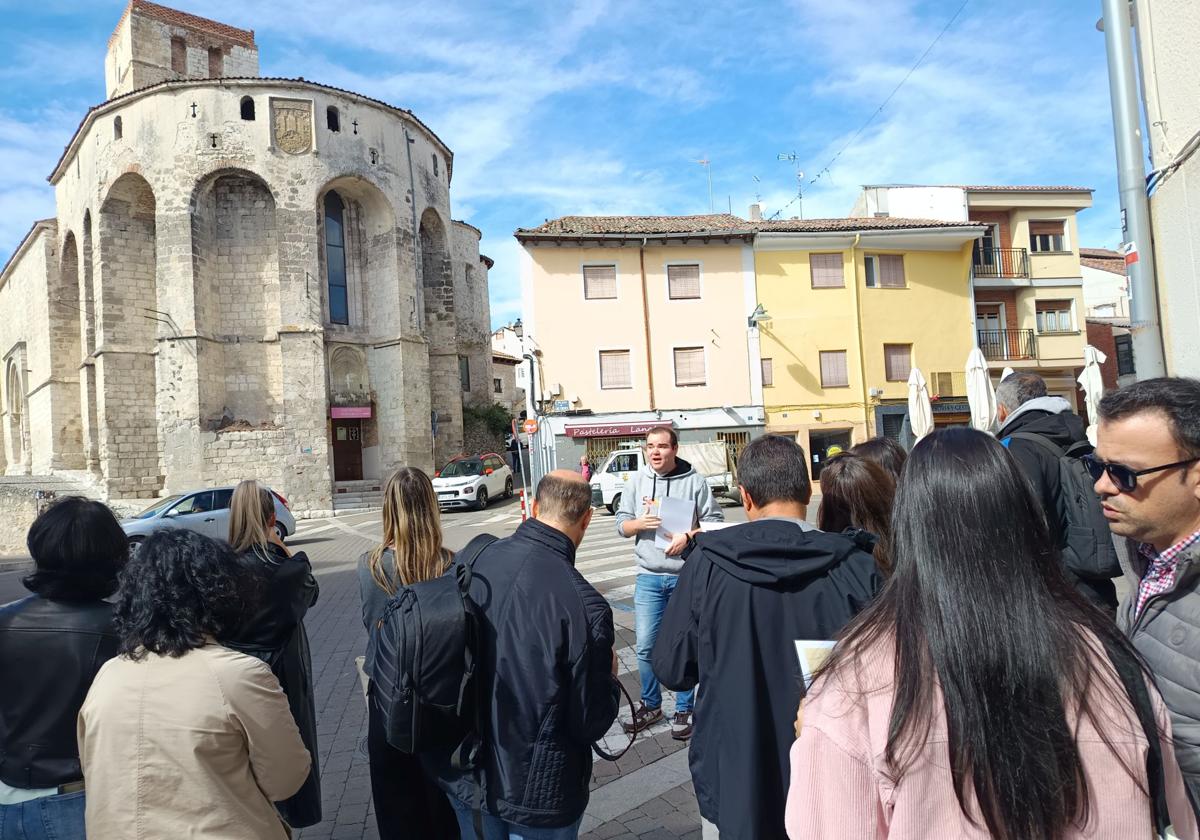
(246, 277)
(638, 319)
(1027, 283)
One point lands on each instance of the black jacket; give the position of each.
(275, 634)
(1062, 428)
(50, 652)
(546, 665)
(745, 596)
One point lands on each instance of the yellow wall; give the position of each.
(571, 331)
(1047, 265)
(933, 314)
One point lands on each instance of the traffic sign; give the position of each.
(530, 427)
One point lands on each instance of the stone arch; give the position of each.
(349, 381)
(368, 251)
(236, 280)
(87, 375)
(127, 328)
(65, 357)
(16, 415)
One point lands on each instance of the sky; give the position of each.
(559, 108)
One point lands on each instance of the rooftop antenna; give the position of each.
(707, 164)
(791, 158)
(757, 192)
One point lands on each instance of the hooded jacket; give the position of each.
(744, 597)
(646, 485)
(1052, 418)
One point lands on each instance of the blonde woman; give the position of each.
(274, 629)
(407, 802)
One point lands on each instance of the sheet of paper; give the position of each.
(717, 526)
(811, 655)
(678, 517)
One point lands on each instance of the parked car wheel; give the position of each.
(481, 499)
(135, 543)
(615, 504)
(280, 532)
(508, 488)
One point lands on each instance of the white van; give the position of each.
(708, 459)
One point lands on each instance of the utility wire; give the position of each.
(879, 111)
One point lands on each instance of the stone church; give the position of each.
(246, 277)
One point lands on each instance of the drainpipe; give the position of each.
(1145, 330)
(862, 353)
(646, 322)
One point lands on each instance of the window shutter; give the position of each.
(897, 362)
(827, 271)
(683, 282)
(891, 271)
(689, 366)
(1046, 228)
(943, 384)
(768, 372)
(599, 282)
(833, 369)
(614, 369)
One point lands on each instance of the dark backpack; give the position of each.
(422, 662)
(1089, 549)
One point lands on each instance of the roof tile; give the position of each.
(201, 24)
(568, 227)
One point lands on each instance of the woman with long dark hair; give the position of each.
(408, 804)
(980, 696)
(858, 494)
(274, 630)
(180, 736)
(885, 452)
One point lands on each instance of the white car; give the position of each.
(473, 482)
(204, 511)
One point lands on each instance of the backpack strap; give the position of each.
(1134, 681)
(1045, 443)
(464, 561)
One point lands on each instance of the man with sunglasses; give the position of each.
(1147, 471)
(1046, 438)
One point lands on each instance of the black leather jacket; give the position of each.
(50, 652)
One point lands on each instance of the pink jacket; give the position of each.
(839, 787)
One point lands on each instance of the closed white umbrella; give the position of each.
(1007, 372)
(1092, 384)
(980, 394)
(920, 412)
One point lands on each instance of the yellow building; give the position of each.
(852, 305)
(642, 320)
(1027, 280)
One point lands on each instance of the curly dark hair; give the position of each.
(177, 589)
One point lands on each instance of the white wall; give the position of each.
(946, 203)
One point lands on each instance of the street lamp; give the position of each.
(757, 316)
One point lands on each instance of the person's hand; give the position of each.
(800, 719)
(678, 544)
(614, 664)
(649, 523)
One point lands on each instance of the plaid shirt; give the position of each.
(1160, 574)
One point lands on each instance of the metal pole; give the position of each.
(1145, 330)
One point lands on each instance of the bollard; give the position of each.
(524, 513)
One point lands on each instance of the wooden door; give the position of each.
(347, 450)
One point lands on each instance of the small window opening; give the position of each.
(435, 166)
(117, 129)
(178, 55)
(333, 119)
(216, 63)
(247, 108)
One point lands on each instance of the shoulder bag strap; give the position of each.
(1134, 680)
(1048, 445)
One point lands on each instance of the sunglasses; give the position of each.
(1126, 477)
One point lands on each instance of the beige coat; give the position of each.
(194, 747)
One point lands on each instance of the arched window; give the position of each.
(117, 129)
(333, 119)
(247, 108)
(335, 258)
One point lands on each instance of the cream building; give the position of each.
(246, 277)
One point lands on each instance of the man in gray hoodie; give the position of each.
(664, 475)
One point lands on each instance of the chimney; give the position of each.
(756, 212)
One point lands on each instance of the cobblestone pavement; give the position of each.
(648, 803)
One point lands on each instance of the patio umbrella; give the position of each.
(980, 394)
(920, 412)
(1007, 372)
(1093, 386)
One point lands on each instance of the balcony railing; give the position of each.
(1001, 262)
(1006, 345)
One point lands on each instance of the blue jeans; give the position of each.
(650, 596)
(495, 828)
(49, 818)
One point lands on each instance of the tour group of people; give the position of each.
(980, 674)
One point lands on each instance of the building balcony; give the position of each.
(1000, 263)
(1008, 345)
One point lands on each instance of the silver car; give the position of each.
(203, 511)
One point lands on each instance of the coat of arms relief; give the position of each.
(292, 125)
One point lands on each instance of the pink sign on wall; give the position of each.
(349, 412)
(614, 429)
